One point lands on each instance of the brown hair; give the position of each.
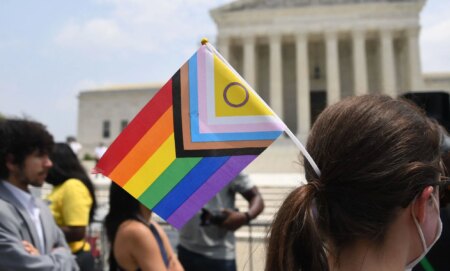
(20, 138)
(375, 154)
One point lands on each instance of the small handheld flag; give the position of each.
(202, 128)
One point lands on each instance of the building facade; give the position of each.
(299, 55)
(104, 112)
(304, 54)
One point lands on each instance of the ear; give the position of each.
(10, 164)
(421, 203)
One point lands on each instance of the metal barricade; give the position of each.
(251, 236)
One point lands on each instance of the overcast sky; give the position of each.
(52, 49)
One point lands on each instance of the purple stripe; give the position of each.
(209, 189)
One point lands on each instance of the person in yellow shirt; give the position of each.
(72, 201)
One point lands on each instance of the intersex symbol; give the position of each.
(227, 88)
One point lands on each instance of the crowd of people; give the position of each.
(379, 202)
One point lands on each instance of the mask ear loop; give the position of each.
(419, 229)
(436, 203)
(439, 231)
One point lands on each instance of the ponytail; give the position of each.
(295, 242)
(375, 155)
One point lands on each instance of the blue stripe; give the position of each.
(188, 185)
(220, 137)
(193, 94)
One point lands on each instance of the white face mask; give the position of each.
(422, 238)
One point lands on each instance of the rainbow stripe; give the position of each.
(196, 134)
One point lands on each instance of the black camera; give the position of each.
(212, 217)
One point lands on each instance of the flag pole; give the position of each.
(286, 129)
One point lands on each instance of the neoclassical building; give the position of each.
(299, 55)
(104, 112)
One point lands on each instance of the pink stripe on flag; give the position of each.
(268, 126)
(209, 189)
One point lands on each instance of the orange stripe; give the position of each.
(144, 149)
(134, 131)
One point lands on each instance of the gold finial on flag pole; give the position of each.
(204, 41)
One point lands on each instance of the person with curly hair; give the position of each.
(29, 236)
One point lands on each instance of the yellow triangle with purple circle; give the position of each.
(232, 96)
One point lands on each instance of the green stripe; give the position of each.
(426, 264)
(167, 180)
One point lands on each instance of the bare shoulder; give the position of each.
(131, 237)
(132, 244)
(132, 229)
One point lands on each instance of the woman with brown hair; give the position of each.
(375, 204)
(137, 242)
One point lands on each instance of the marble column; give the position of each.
(276, 72)
(414, 67)
(303, 91)
(359, 63)
(389, 85)
(332, 55)
(249, 60)
(224, 47)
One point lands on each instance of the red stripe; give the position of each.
(136, 129)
